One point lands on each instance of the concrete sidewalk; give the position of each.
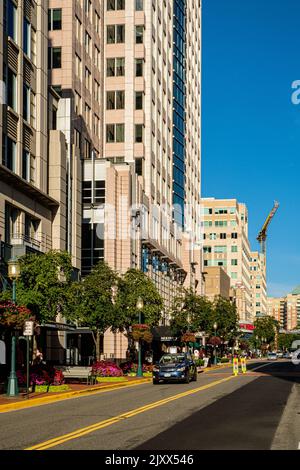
(76, 390)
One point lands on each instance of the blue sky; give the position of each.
(250, 128)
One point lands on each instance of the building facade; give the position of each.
(217, 283)
(258, 284)
(286, 309)
(226, 245)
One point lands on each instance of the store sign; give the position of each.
(168, 338)
(247, 326)
(28, 328)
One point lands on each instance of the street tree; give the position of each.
(132, 286)
(266, 327)
(94, 302)
(226, 317)
(43, 286)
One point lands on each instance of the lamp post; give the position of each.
(215, 349)
(139, 307)
(12, 386)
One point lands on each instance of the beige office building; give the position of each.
(286, 309)
(258, 284)
(217, 283)
(129, 76)
(226, 245)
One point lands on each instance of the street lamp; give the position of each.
(12, 386)
(215, 350)
(139, 307)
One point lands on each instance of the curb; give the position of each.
(45, 400)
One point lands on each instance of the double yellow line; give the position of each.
(108, 422)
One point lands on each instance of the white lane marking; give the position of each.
(259, 367)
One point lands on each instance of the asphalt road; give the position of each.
(218, 411)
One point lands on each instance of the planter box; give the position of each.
(111, 379)
(51, 388)
(145, 374)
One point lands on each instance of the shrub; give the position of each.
(224, 359)
(106, 369)
(199, 362)
(128, 367)
(41, 375)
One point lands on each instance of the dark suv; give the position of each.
(178, 367)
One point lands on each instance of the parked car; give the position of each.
(178, 367)
(287, 355)
(296, 357)
(272, 356)
(279, 354)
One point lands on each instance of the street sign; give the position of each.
(28, 328)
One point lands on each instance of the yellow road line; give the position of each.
(108, 422)
(39, 401)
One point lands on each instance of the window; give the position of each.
(99, 192)
(115, 100)
(139, 166)
(233, 275)
(139, 133)
(88, 8)
(78, 29)
(115, 5)
(234, 235)
(139, 64)
(87, 192)
(54, 57)
(223, 236)
(88, 43)
(97, 22)
(88, 79)
(26, 102)
(9, 154)
(78, 67)
(234, 249)
(139, 34)
(12, 20)
(26, 165)
(11, 86)
(207, 211)
(114, 133)
(138, 100)
(96, 125)
(77, 104)
(54, 19)
(207, 223)
(27, 37)
(97, 57)
(234, 262)
(139, 5)
(213, 236)
(115, 33)
(97, 91)
(220, 249)
(88, 115)
(207, 249)
(115, 67)
(221, 223)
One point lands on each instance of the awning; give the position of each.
(58, 326)
(163, 334)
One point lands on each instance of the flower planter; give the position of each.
(51, 388)
(111, 379)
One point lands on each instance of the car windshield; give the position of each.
(172, 359)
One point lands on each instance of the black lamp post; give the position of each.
(139, 307)
(12, 386)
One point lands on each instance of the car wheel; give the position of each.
(187, 379)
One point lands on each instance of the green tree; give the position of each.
(132, 285)
(94, 302)
(190, 312)
(226, 317)
(44, 284)
(266, 327)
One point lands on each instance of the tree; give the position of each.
(94, 303)
(44, 283)
(266, 327)
(190, 312)
(285, 341)
(132, 285)
(226, 317)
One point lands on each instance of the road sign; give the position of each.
(28, 328)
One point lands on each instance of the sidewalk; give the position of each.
(42, 398)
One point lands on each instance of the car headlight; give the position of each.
(181, 369)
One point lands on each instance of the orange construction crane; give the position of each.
(262, 236)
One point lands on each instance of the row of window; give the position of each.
(113, 5)
(115, 67)
(116, 100)
(219, 249)
(9, 159)
(219, 223)
(115, 133)
(29, 34)
(213, 262)
(115, 34)
(218, 211)
(29, 98)
(222, 236)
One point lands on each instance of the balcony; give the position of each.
(22, 239)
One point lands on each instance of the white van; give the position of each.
(296, 357)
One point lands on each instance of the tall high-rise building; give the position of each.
(31, 204)
(226, 244)
(258, 284)
(286, 309)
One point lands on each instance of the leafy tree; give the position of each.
(132, 285)
(190, 312)
(43, 286)
(226, 317)
(285, 341)
(266, 327)
(94, 302)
